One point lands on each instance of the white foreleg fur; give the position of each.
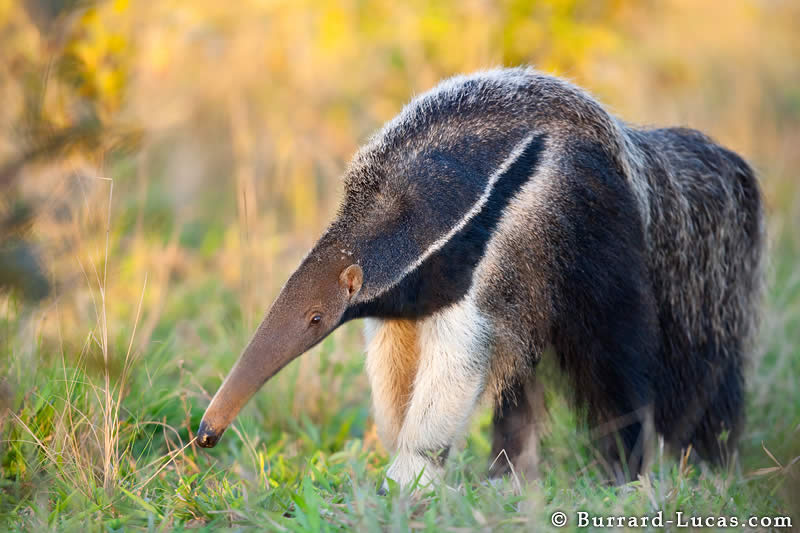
(453, 365)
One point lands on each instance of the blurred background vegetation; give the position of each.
(165, 165)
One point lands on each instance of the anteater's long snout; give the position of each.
(244, 380)
(284, 334)
(269, 350)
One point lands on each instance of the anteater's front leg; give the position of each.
(392, 360)
(450, 377)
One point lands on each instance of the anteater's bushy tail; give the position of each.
(706, 246)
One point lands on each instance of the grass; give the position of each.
(100, 431)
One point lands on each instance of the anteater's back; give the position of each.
(705, 239)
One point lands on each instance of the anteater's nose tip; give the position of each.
(207, 438)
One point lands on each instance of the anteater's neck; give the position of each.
(439, 273)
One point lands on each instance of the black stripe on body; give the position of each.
(446, 275)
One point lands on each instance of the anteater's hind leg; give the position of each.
(609, 361)
(704, 406)
(451, 375)
(518, 421)
(606, 330)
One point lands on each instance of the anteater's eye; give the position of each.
(315, 319)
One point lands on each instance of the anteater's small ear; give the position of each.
(351, 279)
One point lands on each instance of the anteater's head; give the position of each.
(310, 306)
